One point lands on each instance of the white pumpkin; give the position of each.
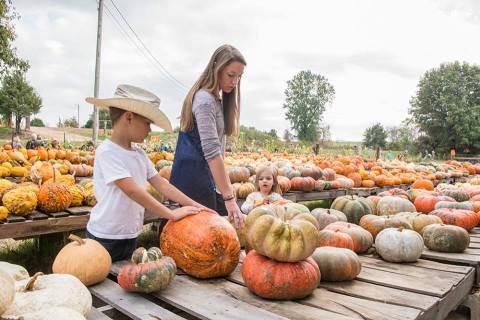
(390, 205)
(399, 245)
(7, 290)
(15, 271)
(47, 291)
(55, 313)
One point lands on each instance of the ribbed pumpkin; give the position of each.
(305, 184)
(76, 259)
(242, 190)
(462, 218)
(445, 238)
(399, 245)
(284, 184)
(7, 290)
(20, 201)
(418, 221)
(326, 216)
(286, 232)
(149, 271)
(354, 207)
(238, 174)
(311, 171)
(337, 264)
(204, 245)
(465, 205)
(455, 193)
(330, 238)
(395, 192)
(374, 224)
(423, 184)
(362, 239)
(414, 193)
(329, 174)
(426, 203)
(272, 279)
(54, 197)
(390, 205)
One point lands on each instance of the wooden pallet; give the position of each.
(383, 290)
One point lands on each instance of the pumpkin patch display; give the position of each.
(46, 291)
(149, 271)
(399, 245)
(337, 264)
(272, 279)
(463, 218)
(76, 259)
(204, 245)
(354, 207)
(284, 232)
(326, 216)
(445, 238)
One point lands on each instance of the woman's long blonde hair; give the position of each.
(209, 81)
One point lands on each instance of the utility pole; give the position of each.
(97, 70)
(78, 115)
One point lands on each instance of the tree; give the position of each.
(307, 96)
(37, 122)
(8, 56)
(375, 137)
(70, 123)
(273, 133)
(324, 132)
(18, 97)
(446, 107)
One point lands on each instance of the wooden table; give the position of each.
(383, 290)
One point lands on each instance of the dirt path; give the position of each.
(56, 133)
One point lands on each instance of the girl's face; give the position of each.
(265, 182)
(230, 76)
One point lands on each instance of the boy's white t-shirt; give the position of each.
(116, 216)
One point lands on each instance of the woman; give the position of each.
(210, 112)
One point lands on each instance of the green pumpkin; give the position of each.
(149, 271)
(445, 238)
(354, 207)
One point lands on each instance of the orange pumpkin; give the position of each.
(306, 184)
(271, 279)
(330, 238)
(203, 245)
(54, 197)
(462, 218)
(43, 155)
(423, 184)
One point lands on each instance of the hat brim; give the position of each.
(136, 106)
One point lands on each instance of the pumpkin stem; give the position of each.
(29, 285)
(76, 238)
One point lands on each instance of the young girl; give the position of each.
(210, 113)
(268, 190)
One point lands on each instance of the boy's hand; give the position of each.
(202, 207)
(184, 211)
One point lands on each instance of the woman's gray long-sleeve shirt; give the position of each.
(208, 113)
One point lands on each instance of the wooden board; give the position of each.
(58, 214)
(79, 210)
(465, 258)
(326, 194)
(94, 314)
(15, 219)
(132, 304)
(37, 215)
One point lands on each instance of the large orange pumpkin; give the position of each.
(306, 184)
(203, 245)
(426, 203)
(423, 184)
(462, 218)
(271, 279)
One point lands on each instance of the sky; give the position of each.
(372, 52)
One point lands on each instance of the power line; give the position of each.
(146, 48)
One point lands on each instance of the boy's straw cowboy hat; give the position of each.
(136, 100)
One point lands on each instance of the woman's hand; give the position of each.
(184, 211)
(202, 207)
(234, 213)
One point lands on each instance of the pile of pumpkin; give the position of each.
(46, 189)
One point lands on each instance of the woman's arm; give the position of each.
(143, 198)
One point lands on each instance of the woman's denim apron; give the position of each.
(191, 173)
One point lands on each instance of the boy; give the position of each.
(122, 170)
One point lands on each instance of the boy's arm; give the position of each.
(171, 192)
(142, 197)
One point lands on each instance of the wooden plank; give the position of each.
(37, 215)
(132, 304)
(474, 245)
(364, 290)
(206, 303)
(428, 264)
(94, 314)
(451, 257)
(15, 219)
(456, 296)
(326, 194)
(31, 228)
(435, 286)
(79, 210)
(288, 309)
(474, 240)
(290, 196)
(58, 214)
(350, 306)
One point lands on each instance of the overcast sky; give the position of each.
(372, 52)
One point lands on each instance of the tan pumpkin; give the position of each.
(242, 190)
(390, 205)
(337, 264)
(7, 290)
(46, 291)
(287, 232)
(418, 221)
(76, 259)
(326, 216)
(399, 245)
